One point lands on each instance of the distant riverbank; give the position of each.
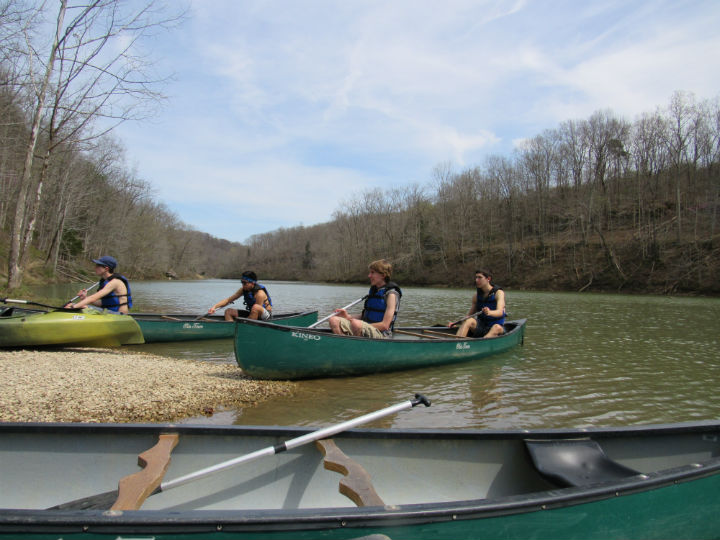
(111, 385)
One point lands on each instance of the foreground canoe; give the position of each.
(267, 351)
(158, 327)
(77, 327)
(597, 483)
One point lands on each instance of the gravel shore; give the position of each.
(109, 385)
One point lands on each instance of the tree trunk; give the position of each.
(17, 235)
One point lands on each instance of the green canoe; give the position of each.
(160, 327)
(79, 327)
(267, 351)
(637, 482)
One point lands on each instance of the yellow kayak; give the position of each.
(84, 327)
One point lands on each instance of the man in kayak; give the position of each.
(256, 297)
(487, 311)
(380, 309)
(113, 289)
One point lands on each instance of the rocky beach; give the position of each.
(112, 385)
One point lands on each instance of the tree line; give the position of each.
(601, 203)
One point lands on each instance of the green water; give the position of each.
(588, 360)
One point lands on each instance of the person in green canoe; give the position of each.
(256, 297)
(380, 310)
(487, 311)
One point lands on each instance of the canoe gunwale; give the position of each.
(184, 317)
(518, 326)
(176, 327)
(165, 521)
(207, 521)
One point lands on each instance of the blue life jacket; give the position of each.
(489, 302)
(375, 305)
(112, 300)
(249, 296)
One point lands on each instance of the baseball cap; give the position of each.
(106, 260)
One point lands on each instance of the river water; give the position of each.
(588, 360)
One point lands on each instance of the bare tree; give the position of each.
(85, 82)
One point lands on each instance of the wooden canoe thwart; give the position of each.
(268, 351)
(657, 481)
(169, 327)
(356, 485)
(135, 488)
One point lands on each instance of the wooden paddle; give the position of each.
(464, 318)
(103, 501)
(208, 314)
(313, 325)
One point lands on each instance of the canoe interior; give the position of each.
(428, 334)
(44, 466)
(14, 311)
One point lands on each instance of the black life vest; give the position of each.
(112, 300)
(249, 296)
(375, 305)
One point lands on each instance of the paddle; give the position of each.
(313, 325)
(91, 287)
(464, 318)
(61, 308)
(15, 301)
(105, 500)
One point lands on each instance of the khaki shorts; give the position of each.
(367, 330)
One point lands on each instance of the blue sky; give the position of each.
(281, 110)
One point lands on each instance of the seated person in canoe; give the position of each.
(380, 309)
(256, 297)
(487, 312)
(113, 291)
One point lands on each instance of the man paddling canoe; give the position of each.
(488, 308)
(380, 309)
(256, 298)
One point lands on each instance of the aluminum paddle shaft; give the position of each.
(294, 443)
(313, 325)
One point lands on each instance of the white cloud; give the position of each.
(330, 98)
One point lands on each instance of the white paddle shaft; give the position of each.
(287, 445)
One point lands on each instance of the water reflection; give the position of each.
(588, 360)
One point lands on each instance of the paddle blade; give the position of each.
(100, 501)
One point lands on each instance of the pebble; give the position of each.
(112, 385)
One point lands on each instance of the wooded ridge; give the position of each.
(601, 204)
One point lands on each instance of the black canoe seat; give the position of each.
(576, 462)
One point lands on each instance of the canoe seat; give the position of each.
(356, 483)
(576, 462)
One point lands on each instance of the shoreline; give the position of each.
(110, 385)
